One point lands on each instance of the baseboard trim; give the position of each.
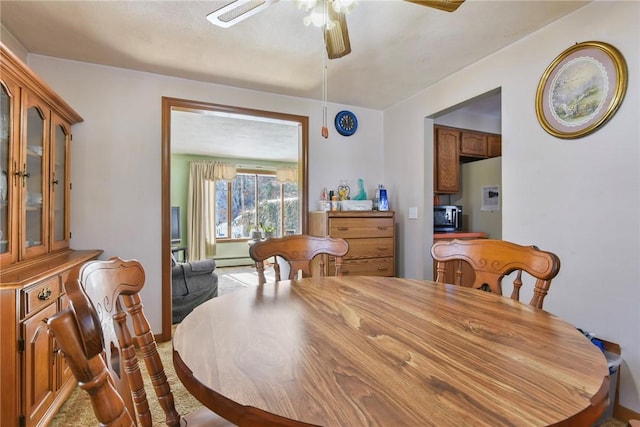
(625, 414)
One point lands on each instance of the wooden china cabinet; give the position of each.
(35, 257)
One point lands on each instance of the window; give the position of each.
(255, 201)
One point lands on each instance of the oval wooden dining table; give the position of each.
(374, 351)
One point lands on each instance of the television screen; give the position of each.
(175, 224)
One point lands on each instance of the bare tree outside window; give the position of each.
(256, 202)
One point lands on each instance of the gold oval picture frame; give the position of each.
(581, 89)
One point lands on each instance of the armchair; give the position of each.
(192, 283)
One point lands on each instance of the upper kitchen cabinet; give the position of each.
(446, 155)
(473, 144)
(453, 146)
(35, 137)
(494, 145)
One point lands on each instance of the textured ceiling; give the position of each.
(398, 48)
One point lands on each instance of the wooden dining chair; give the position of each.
(94, 335)
(490, 260)
(298, 251)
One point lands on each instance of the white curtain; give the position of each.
(201, 219)
(287, 174)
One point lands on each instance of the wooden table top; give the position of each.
(367, 351)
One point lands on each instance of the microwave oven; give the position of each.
(447, 218)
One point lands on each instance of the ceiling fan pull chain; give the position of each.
(325, 129)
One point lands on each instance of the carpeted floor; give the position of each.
(233, 278)
(77, 411)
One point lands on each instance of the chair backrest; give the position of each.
(491, 260)
(78, 334)
(298, 251)
(102, 342)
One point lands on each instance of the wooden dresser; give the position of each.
(371, 236)
(35, 236)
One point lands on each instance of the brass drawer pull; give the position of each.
(382, 227)
(382, 268)
(343, 228)
(45, 294)
(382, 249)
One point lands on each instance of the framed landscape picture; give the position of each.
(581, 89)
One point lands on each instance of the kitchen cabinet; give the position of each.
(446, 155)
(453, 146)
(35, 259)
(494, 145)
(473, 144)
(371, 236)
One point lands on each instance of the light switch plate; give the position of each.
(413, 213)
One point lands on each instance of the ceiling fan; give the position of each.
(331, 12)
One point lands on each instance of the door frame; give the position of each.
(167, 105)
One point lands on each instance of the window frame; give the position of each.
(255, 173)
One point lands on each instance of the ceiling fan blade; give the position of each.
(336, 39)
(236, 11)
(446, 5)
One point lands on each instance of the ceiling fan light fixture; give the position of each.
(344, 6)
(336, 38)
(236, 11)
(315, 17)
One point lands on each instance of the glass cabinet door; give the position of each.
(5, 155)
(33, 181)
(59, 184)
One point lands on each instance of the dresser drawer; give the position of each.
(360, 227)
(370, 248)
(365, 267)
(40, 295)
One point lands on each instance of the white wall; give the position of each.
(116, 176)
(116, 154)
(558, 194)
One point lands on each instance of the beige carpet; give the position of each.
(77, 410)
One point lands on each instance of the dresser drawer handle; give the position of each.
(381, 227)
(382, 268)
(343, 228)
(382, 249)
(44, 294)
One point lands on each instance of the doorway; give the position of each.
(484, 114)
(169, 105)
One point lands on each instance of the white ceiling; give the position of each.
(234, 136)
(398, 48)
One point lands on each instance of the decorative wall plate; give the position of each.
(581, 89)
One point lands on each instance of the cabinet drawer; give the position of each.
(365, 267)
(40, 295)
(370, 248)
(359, 227)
